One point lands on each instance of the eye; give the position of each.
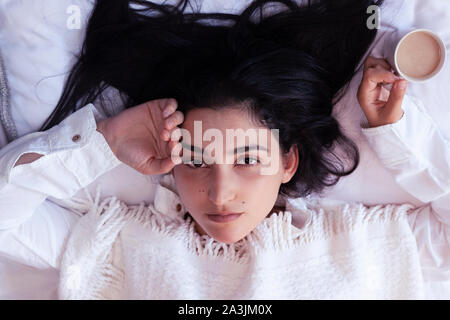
(195, 165)
(251, 161)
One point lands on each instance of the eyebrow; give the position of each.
(236, 150)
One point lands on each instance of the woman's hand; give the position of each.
(376, 73)
(141, 136)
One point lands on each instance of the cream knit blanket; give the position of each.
(343, 252)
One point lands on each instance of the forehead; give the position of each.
(230, 129)
(222, 119)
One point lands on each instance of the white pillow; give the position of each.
(38, 49)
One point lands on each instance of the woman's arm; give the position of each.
(54, 163)
(407, 141)
(58, 163)
(71, 155)
(31, 157)
(417, 155)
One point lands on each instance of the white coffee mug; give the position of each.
(393, 44)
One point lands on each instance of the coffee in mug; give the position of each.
(417, 55)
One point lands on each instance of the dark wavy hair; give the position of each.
(289, 67)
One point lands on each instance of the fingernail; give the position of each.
(177, 160)
(166, 113)
(402, 85)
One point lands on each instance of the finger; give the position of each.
(371, 112)
(165, 135)
(174, 120)
(393, 108)
(373, 77)
(175, 150)
(169, 107)
(161, 166)
(165, 106)
(379, 104)
(175, 134)
(373, 62)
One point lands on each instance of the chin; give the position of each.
(227, 237)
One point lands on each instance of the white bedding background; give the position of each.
(38, 50)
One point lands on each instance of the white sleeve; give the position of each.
(75, 154)
(40, 241)
(417, 155)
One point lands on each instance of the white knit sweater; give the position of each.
(150, 252)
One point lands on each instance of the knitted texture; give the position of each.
(343, 252)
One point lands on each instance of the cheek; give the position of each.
(256, 193)
(191, 187)
(259, 192)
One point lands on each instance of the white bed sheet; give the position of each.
(38, 50)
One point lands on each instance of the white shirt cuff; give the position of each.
(75, 155)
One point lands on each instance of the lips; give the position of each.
(223, 217)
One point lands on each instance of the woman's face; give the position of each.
(238, 173)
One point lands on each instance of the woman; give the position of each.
(220, 232)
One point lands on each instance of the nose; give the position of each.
(221, 188)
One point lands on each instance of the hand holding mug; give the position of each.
(378, 72)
